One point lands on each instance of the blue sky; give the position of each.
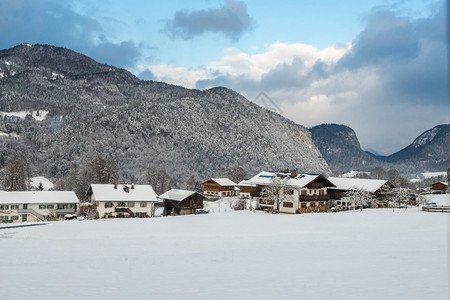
(378, 66)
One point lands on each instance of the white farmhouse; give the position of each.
(296, 192)
(32, 206)
(121, 200)
(342, 185)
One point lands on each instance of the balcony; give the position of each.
(314, 198)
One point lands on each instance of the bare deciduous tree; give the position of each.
(275, 190)
(360, 198)
(158, 179)
(17, 175)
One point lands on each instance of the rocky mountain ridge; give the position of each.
(342, 151)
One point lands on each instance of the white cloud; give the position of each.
(386, 90)
(175, 75)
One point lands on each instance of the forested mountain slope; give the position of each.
(61, 108)
(341, 149)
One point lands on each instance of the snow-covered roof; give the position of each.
(223, 181)
(37, 197)
(177, 195)
(265, 178)
(369, 185)
(440, 182)
(107, 192)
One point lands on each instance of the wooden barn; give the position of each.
(220, 187)
(181, 202)
(439, 186)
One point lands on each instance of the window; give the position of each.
(4, 206)
(288, 204)
(61, 206)
(321, 192)
(304, 205)
(312, 204)
(143, 204)
(5, 218)
(14, 218)
(130, 204)
(289, 192)
(15, 206)
(42, 206)
(303, 192)
(121, 204)
(50, 206)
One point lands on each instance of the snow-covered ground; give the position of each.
(373, 254)
(46, 183)
(353, 174)
(439, 199)
(427, 175)
(22, 114)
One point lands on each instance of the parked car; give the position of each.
(201, 211)
(430, 204)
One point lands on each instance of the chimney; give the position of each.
(132, 186)
(294, 172)
(115, 186)
(126, 189)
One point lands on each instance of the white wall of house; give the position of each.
(221, 194)
(107, 208)
(49, 211)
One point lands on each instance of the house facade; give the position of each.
(220, 187)
(181, 202)
(376, 187)
(441, 187)
(122, 201)
(35, 206)
(287, 192)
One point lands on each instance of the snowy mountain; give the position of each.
(428, 152)
(94, 109)
(341, 149)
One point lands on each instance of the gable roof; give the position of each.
(369, 185)
(440, 182)
(265, 178)
(107, 192)
(37, 197)
(222, 181)
(177, 195)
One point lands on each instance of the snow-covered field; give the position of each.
(46, 183)
(373, 254)
(22, 114)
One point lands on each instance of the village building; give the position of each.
(220, 187)
(123, 201)
(295, 193)
(181, 202)
(376, 187)
(441, 187)
(35, 206)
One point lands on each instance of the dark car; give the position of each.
(201, 211)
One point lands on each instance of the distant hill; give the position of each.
(61, 108)
(341, 149)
